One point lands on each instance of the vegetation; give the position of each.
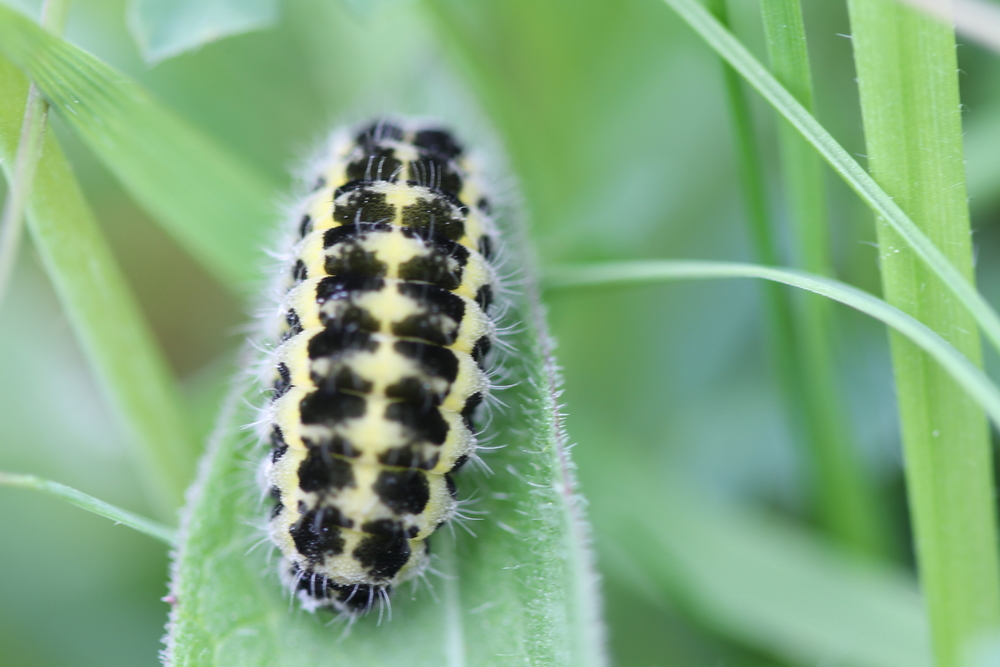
(753, 491)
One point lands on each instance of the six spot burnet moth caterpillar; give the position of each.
(377, 364)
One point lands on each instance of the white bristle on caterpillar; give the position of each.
(378, 360)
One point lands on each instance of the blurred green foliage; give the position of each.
(613, 118)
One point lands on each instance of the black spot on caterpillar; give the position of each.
(382, 332)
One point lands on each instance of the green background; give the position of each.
(613, 119)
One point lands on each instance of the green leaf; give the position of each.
(523, 588)
(166, 28)
(28, 150)
(101, 309)
(608, 274)
(159, 531)
(764, 233)
(211, 203)
(844, 497)
(729, 48)
(908, 80)
(757, 580)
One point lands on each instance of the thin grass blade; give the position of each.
(154, 529)
(101, 309)
(727, 46)
(613, 274)
(214, 205)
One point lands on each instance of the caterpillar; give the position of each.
(379, 360)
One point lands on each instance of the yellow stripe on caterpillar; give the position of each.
(378, 361)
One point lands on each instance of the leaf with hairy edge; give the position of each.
(522, 591)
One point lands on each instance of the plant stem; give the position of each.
(116, 341)
(748, 156)
(798, 346)
(616, 274)
(844, 496)
(29, 149)
(152, 528)
(727, 46)
(762, 237)
(907, 68)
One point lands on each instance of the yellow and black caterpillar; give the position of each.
(381, 336)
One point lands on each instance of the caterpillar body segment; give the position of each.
(379, 361)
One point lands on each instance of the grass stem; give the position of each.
(29, 149)
(163, 533)
(966, 374)
(844, 496)
(907, 73)
(101, 310)
(750, 166)
(727, 46)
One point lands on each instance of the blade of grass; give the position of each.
(907, 74)
(753, 579)
(215, 206)
(842, 494)
(783, 343)
(612, 274)
(750, 168)
(523, 589)
(29, 147)
(152, 528)
(847, 498)
(104, 316)
(857, 178)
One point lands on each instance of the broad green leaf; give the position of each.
(83, 501)
(213, 204)
(729, 48)
(166, 28)
(520, 592)
(606, 274)
(101, 309)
